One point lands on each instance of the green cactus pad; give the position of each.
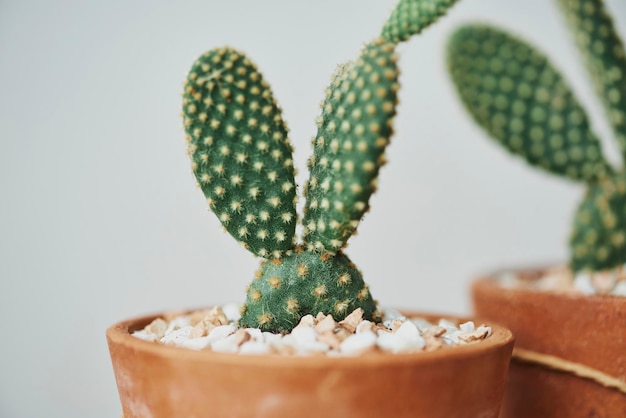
(410, 17)
(305, 283)
(598, 241)
(514, 93)
(354, 130)
(240, 153)
(604, 55)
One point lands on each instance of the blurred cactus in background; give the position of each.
(242, 159)
(520, 99)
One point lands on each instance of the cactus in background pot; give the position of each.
(242, 159)
(520, 99)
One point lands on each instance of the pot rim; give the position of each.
(119, 334)
(488, 282)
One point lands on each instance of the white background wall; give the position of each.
(100, 218)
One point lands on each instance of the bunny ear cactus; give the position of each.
(603, 52)
(517, 96)
(355, 128)
(410, 17)
(514, 93)
(240, 153)
(242, 159)
(353, 132)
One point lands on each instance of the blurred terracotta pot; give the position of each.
(162, 381)
(570, 350)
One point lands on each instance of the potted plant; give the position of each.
(570, 355)
(307, 295)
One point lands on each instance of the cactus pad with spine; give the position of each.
(306, 282)
(240, 153)
(513, 92)
(598, 241)
(410, 17)
(604, 55)
(354, 130)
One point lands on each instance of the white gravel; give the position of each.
(561, 279)
(217, 330)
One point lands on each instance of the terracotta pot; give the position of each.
(163, 381)
(587, 332)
